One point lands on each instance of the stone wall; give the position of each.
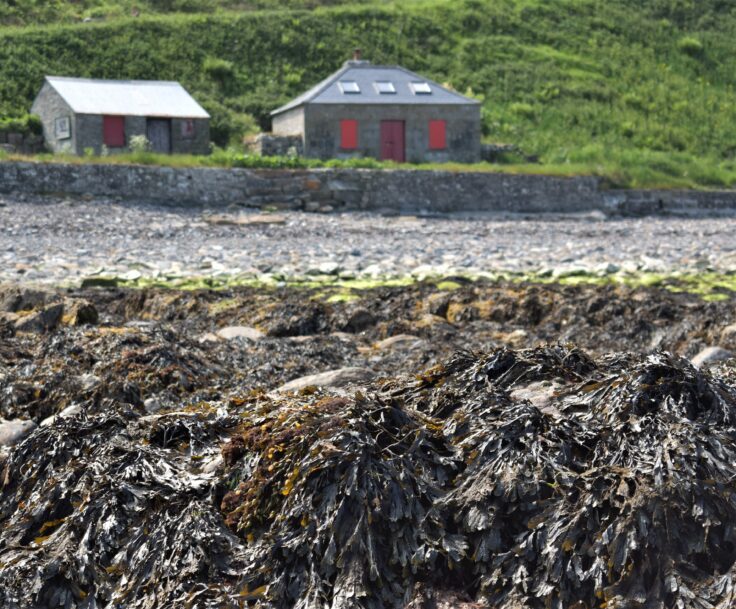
(410, 191)
(21, 143)
(268, 144)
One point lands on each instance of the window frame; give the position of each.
(346, 91)
(418, 86)
(390, 90)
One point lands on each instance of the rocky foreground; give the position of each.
(448, 444)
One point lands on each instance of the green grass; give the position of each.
(624, 169)
(643, 94)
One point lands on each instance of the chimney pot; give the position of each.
(357, 54)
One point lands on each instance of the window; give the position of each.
(63, 128)
(421, 88)
(187, 128)
(437, 135)
(348, 134)
(384, 87)
(349, 87)
(113, 131)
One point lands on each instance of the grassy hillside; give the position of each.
(644, 94)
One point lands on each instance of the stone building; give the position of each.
(80, 114)
(385, 112)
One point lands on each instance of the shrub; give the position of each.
(690, 46)
(26, 124)
(523, 110)
(139, 143)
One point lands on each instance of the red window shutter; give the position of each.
(437, 135)
(113, 131)
(348, 134)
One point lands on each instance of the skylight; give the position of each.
(384, 87)
(349, 86)
(421, 88)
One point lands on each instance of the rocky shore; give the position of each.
(55, 241)
(456, 442)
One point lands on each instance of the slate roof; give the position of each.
(366, 75)
(127, 97)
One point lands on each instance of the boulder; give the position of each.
(710, 356)
(400, 341)
(728, 336)
(12, 432)
(245, 219)
(233, 332)
(69, 411)
(437, 304)
(41, 321)
(341, 377)
(360, 320)
(81, 312)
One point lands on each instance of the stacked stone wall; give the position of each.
(397, 191)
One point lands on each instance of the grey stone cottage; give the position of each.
(385, 112)
(80, 114)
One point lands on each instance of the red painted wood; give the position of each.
(348, 134)
(437, 135)
(113, 130)
(392, 141)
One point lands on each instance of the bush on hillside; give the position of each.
(26, 124)
(690, 46)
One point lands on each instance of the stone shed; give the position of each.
(80, 114)
(385, 112)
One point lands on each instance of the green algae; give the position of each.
(710, 285)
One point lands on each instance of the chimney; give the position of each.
(357, 54)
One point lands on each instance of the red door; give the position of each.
(392, 141)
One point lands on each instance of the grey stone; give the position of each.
(407, 190)
(540, 394)
(233, 332)
(41, 321)
(342, 377)
(69, 411)
(360, 320)
(12, 432)
(711, 355)
(82, 312)
(400, 341)
(437, 304)
(728, 334)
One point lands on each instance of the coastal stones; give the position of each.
(235, 332)
(41, 321)
(400, 341)
(360, 320)
(12, 432)
(710, 356)
(81, 312)
(437, 304)
(245, 219)
(69, 411)
(340, 378)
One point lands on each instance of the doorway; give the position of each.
(392, 141)
(158, 132)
